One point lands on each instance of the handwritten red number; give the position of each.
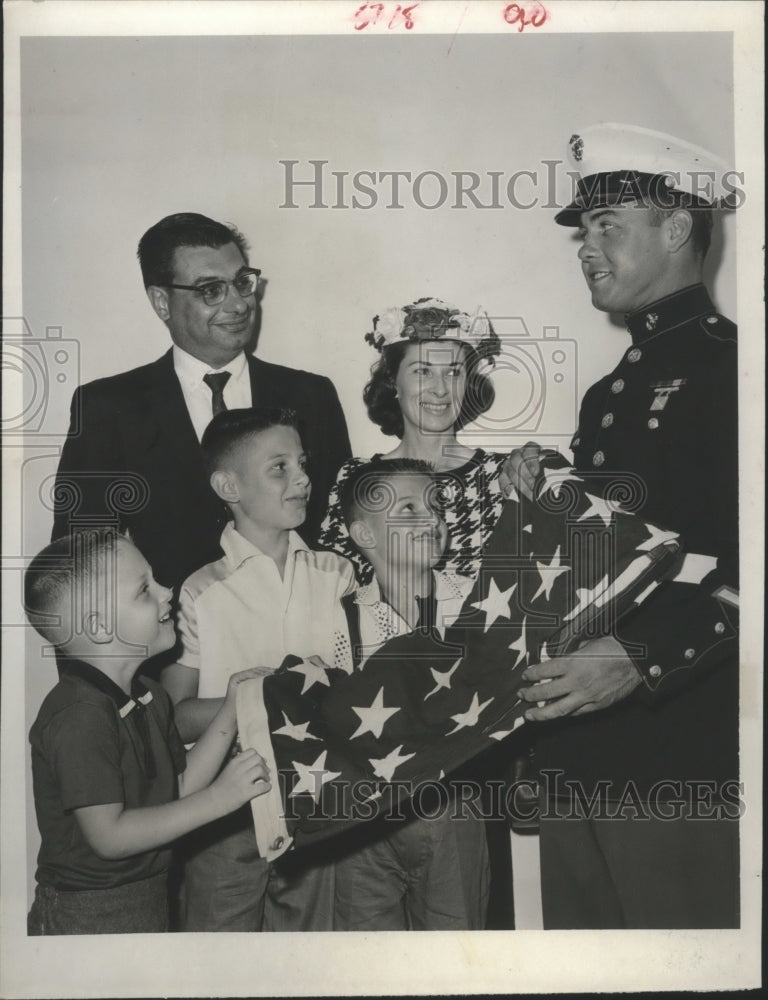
(371, 13)
(407, 15)
(515, 13)
(377, 10)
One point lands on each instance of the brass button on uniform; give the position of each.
(689, 654)
(634, 355)
(655, 670)
(711, 319)
(719, 628)
(653, 423)
(607, 420)
(618, 385)
(598, 458)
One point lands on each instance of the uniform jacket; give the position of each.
(662, 427)
(132, 457)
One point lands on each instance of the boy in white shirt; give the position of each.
(269, 595)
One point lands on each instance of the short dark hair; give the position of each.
(702, 218)
(185, 229)
(380, 396)
(362, 490)
(228, 428)
(51, 577)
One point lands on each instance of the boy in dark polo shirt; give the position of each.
(112, 784)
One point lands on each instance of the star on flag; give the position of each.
(442, 679)
(496, 604)
(599, 508)
(502, 734)
(470, 717)
(295, 731)
(586, 596)
(554, 479)
(372, 719)
(520, 645)
(552, 571)
(385, 767)
(656, 537)
(313, 674)
(312, 777)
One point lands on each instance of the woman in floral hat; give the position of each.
(430, 381)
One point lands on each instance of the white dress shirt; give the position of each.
(197, 395)
(239, 612)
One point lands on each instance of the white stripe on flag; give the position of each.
(695, 567)
(272, 835)
(648, 590)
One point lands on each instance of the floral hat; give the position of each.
(433, 319)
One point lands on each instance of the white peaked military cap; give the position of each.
(619, 163)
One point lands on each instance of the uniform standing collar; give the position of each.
(92, 675)
(669, 312)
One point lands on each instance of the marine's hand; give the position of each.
(520, 470)
(597, 675)
(244, 777)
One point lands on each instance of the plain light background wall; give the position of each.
(119, 132)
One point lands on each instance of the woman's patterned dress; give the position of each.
(471, 499)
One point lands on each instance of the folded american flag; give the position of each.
(345, 748)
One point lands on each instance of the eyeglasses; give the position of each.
(213, 293)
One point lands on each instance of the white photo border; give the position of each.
(398, 964)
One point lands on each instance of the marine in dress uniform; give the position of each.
(658, 847)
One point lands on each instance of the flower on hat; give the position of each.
(577, 146)
(433, 319)
(390, 323)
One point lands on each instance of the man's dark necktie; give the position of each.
(216, 383)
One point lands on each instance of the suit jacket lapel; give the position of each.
(262, 392)
(166, 400)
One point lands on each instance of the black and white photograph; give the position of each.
(383, 476)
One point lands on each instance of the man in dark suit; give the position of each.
(132, 456)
